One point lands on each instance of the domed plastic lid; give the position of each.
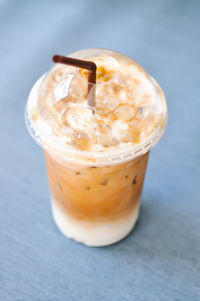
(127, 118)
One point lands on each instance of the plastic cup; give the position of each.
(96, 195)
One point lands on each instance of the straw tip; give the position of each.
(55, 58)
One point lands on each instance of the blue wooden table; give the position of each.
(160, 260)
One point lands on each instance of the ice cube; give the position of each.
(78, 87)
(147, 110)
(61, 90)
(135, 133)
(122, 79)
(105, 136)
(107, 68)
(111, 102)
(131, 93)
(81, 140)
(125, 112)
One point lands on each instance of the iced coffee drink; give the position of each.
(96, 155)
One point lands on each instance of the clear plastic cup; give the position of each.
(96, 195)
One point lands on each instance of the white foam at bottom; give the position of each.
(93, 233)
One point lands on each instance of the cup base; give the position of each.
(94, 234)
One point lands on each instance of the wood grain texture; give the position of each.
(160, 259)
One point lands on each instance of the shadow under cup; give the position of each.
(95, 205)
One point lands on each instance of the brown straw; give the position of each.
(90, 66)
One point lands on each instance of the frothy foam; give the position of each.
(128, 106)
